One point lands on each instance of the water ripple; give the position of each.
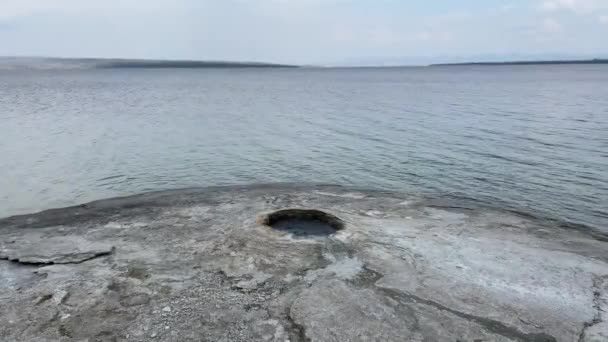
(535, 143)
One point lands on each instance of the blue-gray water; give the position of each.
(528, 138)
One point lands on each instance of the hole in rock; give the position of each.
(303, 222)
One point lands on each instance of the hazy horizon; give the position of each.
(304, 32)
(34, 61)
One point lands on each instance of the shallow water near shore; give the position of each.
(526, 138)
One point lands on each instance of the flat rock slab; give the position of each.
(34, 249)
(198, 265)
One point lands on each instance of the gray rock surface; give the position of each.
(195, 265)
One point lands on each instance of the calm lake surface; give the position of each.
(527, 138)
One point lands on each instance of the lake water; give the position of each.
(527, 138)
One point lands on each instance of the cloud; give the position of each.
(16, 8)
(603, 19)
(550, 25)
(10, 8)
(579, 6)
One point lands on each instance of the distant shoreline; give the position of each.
(549, 62)
(122, 63)
(127, 64)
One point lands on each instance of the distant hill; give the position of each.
(584, 61)
(107, 63)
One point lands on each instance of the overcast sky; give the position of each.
(303, 31)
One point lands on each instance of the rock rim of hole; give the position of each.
(321, 223)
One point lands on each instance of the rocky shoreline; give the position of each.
(208, 264)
